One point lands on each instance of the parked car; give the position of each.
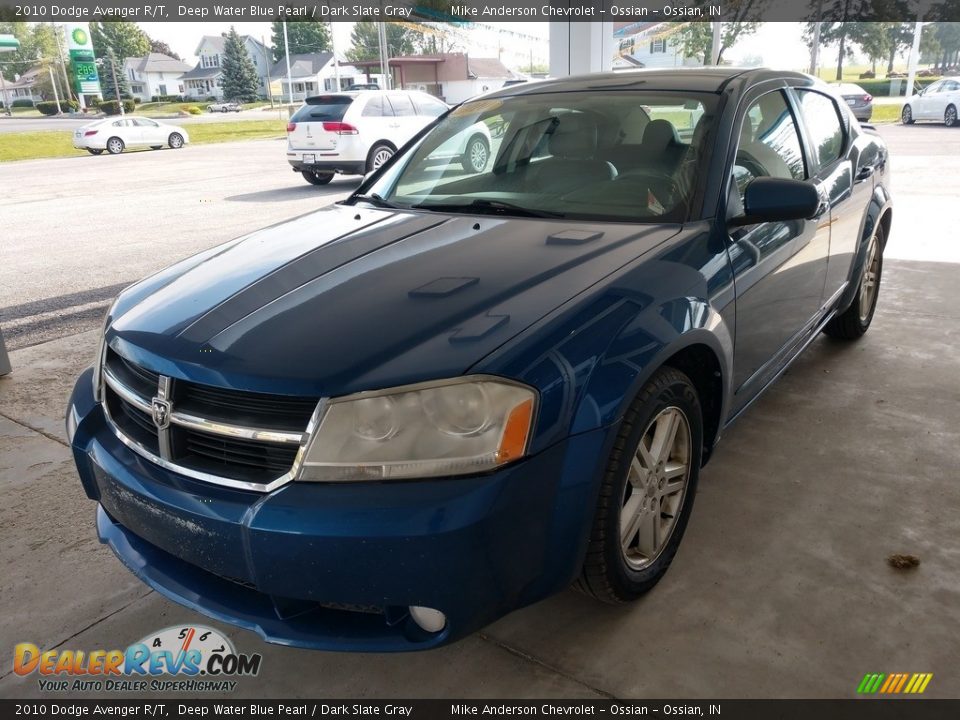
(364, 86)
(858, 99)
(354, 133)
(224, 107)
(115, 134)
(385, 424)
(938, 101)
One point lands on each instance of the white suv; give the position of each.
(353, 133)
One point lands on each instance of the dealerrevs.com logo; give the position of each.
(199, 659)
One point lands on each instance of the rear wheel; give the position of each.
(906, 115)
(477, 153)
(950, 116)
(379, 154)
(856, 319)
(94, 151)
(647, 492)
(315, 178)
(175, 140)
(115, 146)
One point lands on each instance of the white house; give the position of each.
(154, 74)
(22, 87)
(312, 73)
(204, 80)
(648, 45)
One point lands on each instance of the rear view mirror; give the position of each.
(768, 199)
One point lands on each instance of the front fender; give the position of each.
(880, 205)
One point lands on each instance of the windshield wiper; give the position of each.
(376, 200)
(488, 207)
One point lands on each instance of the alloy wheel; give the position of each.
(115, 146)
(870, 281)
(478, 155)
(176, 141)
(380, 157)
(656, 488)
(906, 117)
(950, 117)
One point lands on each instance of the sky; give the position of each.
(777, 44)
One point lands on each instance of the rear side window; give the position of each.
(430, 107)
(823, 122)
(402, 106)
(325, 107)
(376, 107)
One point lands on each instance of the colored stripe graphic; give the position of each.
(894, 683)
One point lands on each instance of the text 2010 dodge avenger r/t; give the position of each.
(389, 422)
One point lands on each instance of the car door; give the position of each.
(151, 133)
(124, 129)
(949, 95)
(406, 123)
(376, 121)
(926, 102)
(779, 267)
(848, 187)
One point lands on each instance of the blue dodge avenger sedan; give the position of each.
(385, 424)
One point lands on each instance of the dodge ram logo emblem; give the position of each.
(161, 413)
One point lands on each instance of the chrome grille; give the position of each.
(248, 440)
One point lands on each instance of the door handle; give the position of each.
(865, 173)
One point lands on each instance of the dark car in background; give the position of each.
(385, 424)
(857, 99)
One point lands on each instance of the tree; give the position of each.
(108, 65)
(240, 81)
(365, 40)
(38, 41)
(304, 37)
(159, 46)
(125, 39)
(696, 38)
(948, 36)
(874, 38)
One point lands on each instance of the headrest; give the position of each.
(575, 137)
(660, 133)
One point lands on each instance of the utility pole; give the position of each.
(116, 85)
(63, 66)
(384, 59)
(336, 62)
(286, 52)
(914, 55)
(56, 95)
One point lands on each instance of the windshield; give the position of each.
(620, 156)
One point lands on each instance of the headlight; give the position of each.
(453, 427)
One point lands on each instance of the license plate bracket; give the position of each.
(309, 159)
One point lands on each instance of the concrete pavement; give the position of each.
(780, 588)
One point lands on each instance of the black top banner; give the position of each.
(457, 709)
(467, 11)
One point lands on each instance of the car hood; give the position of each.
(349, 298)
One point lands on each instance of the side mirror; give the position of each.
(770, 199)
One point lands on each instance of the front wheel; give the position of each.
(115, 146)
(378, 156)
(855, 320)
(175, 141)
(950, 116)
(315, 178)
(647, 492)
(906, 115)
(477, 153)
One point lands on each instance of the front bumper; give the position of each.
(335, 566)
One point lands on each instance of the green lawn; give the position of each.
(36, 145)
(889, 112)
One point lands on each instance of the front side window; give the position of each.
(622, 156)
(822, 119)
(769, 143)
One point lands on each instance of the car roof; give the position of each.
(701, 79)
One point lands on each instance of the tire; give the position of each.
(906, 115)
(379, 154)
(115, 146)
(316, 178)
(950, 116)
(224, 110)
(477, 154)
(175, 141)
(616, 572)
(156, 147)
(95, 151)
(853, 322)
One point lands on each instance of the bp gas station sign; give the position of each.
(82, 59)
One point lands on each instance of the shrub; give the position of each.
(22, 102)
(110, 107)
(193, 110)
(49, 107)
(212, 98)
(167, 98)
(137, 101)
